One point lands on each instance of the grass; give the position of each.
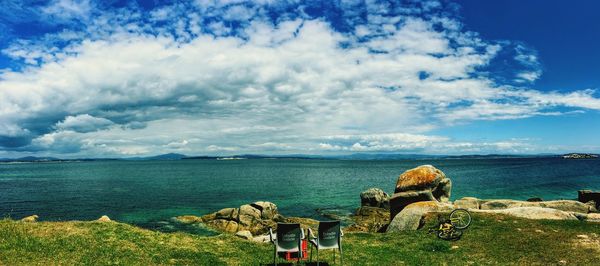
(492, 239)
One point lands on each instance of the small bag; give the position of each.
(294, 255)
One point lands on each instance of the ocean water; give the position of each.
(149, 193)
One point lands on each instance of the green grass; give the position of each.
(490, 240)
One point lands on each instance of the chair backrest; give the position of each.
(329, 234)
(288, 237)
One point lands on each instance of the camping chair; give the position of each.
(329, 237)
(287, 239)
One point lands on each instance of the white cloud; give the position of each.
(83, 123)
(68, 9)
(297, 85)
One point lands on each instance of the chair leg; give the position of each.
(275, 256)
(341, 255)
(334, 256)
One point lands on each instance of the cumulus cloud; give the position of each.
(83, 123)
(184, 77)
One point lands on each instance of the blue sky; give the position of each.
(118, 78)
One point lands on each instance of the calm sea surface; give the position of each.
(150, 192)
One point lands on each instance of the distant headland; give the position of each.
(355, 156)
(580, 156)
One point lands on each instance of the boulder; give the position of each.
(424, 183)
(245, 234)
(227, 214)
(224, 225)
(411, 217)
(467, 203)
(593, 217)
(375, 197)
(104, 218)
(370, 219)
(563, 205)
(30, 219)
(248, 215)
(262, 239)
(592, 206)
(535, 213)
(267, 209)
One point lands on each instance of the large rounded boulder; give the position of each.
(424, 183)
(411, 217)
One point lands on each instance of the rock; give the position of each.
(30, 219)
(262, 239)
(267, 209)
(304, 222)
(592, 206)
(375, 197)
(424, 183)
(593, 217)
(536, 199)
(104, 218)
(255, 218)
(410, 217)
(188, 219)
(223, 225)
(227, 214)
(370, 219)
(467, 203)
(535, 213)
(245, 234)
(248, 215)
(563, 205)
(588, 195)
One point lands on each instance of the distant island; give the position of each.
(355, 156)
(580, 156)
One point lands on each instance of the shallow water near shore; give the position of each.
(149, 193)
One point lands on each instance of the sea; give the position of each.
(151, 193)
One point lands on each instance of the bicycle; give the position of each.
(452, 228)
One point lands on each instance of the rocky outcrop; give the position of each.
(424, 183)
(256, 218)
(411, 217)
(30, 219)
(375, 197)
(563, 205)
(501, 204)
(467, 203)
(369, 219)
(535, 213)
(580, 156)
(592, 217)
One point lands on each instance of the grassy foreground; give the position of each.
(490, 240)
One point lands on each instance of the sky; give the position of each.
(137, 78)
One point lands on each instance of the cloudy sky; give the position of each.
(84, 78)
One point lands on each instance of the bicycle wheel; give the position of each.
(460, 218)
(451, 234)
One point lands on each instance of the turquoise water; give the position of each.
(148, 193)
